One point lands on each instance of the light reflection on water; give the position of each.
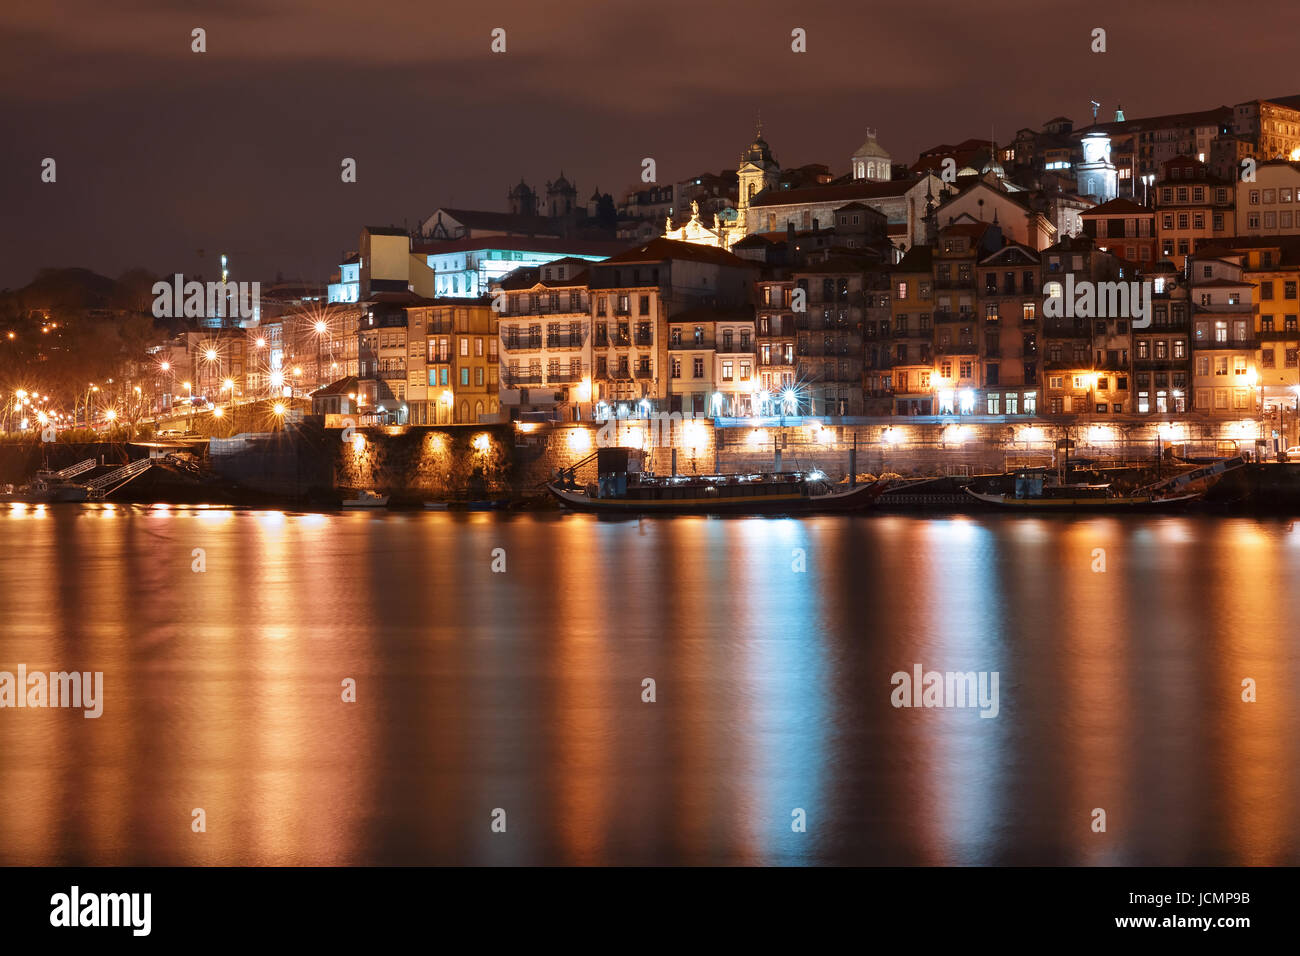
(1119, 689)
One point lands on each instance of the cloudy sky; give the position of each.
(162, 152)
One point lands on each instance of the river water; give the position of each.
(500, 666)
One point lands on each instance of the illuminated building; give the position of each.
(1096, 175)
(1224, 375)
(1123, 228)
(452, 350)
(1008, 308)
(1192, 206)
(635, 294)
(546, 340)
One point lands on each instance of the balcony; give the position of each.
(516, 381)
(958, 348)
(522, 344)
(644, 373)
(569, 341)
(644, 338)
(1284, 335)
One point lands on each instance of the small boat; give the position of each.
(45, 488)
(435, 506)
(366, 499)
(1034, 492)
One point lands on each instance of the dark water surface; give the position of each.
(1119, 690)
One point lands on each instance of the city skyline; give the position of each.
(207, 162)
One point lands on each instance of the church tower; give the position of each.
(522, 200)
(561, 197)
(1096, 174)
(757, 171)
(870, 161)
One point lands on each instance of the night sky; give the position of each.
(162, 152)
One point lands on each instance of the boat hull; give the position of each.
(1118, 503)
(856, 499)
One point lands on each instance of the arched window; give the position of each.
(464, 412)
(478, 411)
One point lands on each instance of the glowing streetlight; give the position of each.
(111, 414)
(210, 355)
(320, 327)
(278, 409)
(218, 412)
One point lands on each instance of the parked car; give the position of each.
(1293, 453)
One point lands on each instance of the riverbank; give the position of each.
(309, 465)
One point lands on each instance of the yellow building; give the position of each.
(452, 362)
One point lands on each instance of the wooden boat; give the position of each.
(792, 493)
(366, 499)
(1034, 492)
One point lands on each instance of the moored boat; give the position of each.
(1035, 492)
(366, 499)
(620, 491)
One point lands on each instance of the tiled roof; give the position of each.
(343, 386)
(1120, 207)
(862, 189)
(657, 250)
(519, 243)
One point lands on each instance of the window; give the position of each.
(993, 403)
(464, 347)
(478, 375)
(1221, 365)
(464, 376)
(697, 367)
(675, 368)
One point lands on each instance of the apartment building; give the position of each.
(632, 297)
(1192, 206)
(1124, 228)
(1162, 359)
(1224, 375)
(546, 341)
(829, 350)
(1009, 297)
(1269, 205)
(452, 362)
(774, 334)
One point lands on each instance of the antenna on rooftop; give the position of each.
(1095, 106)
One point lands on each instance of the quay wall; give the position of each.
(447, 462)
